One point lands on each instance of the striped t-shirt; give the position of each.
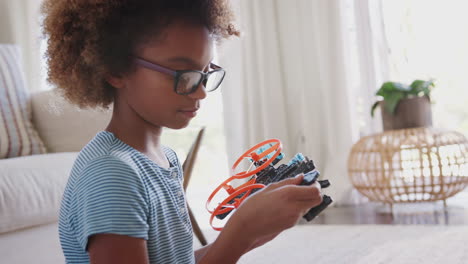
(113, 188)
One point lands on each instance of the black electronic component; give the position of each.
(312, 213)
(271, 174)
(324, 184)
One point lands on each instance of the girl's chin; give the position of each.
(178, 125)
(182, 120)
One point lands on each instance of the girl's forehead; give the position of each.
(180, 40)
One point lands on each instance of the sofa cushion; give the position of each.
(64, 127)
(31, 189)
(17, 135)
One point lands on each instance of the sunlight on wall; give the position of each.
(427, 39)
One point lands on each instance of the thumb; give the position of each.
(289, 181)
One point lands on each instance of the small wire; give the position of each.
(251, 164)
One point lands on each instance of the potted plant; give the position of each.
(405, 106)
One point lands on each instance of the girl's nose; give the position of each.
(200, 92)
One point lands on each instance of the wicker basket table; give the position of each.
(409, 165)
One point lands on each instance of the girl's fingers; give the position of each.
(289, 181)
(306, 193)
(307, 204)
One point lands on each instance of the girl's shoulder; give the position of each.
(104, 151)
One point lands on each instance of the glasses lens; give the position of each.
(188, 82)
(214, 80)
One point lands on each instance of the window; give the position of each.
(426, 40)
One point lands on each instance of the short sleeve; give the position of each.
(109, 198)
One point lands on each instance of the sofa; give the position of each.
(31, 187)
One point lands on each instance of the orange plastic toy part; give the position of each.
(225, 206)
(229, 189)
(247, 187)
(250, 154)
(256, 157)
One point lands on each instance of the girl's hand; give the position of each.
(261, 217)
(279, 206)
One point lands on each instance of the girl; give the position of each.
(152, 59)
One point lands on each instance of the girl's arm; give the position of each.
(199, 253)
(117, 249)
(223, 250)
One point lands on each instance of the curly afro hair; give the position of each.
(91, 39)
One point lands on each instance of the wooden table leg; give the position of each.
(196, 228)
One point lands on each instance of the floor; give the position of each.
(456, 213)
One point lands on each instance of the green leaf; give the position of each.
(416, 87)
(420, 86)
(389, 88)
(392, 101)
(401, 87)
(374, 106)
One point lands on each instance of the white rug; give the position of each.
(320, 244)
(364, 244)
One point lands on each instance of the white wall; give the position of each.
(20, 24)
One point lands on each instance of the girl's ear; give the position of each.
(117, 82)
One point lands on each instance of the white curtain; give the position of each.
(20, 24)
(304, 72)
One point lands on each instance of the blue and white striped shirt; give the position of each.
(115, 189)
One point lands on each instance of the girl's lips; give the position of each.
(189, 113)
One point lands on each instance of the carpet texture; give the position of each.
(318, 244)
(363, 244)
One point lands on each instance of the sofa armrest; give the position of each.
(31, 189)
(62, 126)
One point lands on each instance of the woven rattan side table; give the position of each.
(409, 165)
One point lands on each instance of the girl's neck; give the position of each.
(134, 131)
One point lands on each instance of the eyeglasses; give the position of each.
(187, 81)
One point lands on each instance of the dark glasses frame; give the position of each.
(177, 73)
